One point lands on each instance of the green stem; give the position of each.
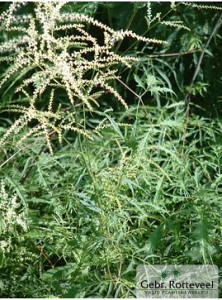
(127, 27)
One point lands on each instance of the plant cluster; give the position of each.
(51, 52)
(139, 181)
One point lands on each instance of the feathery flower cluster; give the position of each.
(149, 12)
(10, 217)
(53, 51)
(177, 24)
(202, 6)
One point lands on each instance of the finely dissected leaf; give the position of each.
(114, 125)
(156, 238)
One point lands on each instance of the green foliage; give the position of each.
(132, 186)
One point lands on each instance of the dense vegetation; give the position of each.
(111, 148)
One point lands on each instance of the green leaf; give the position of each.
(115, 126)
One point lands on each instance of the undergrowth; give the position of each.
(138, 197)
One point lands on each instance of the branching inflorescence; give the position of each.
(51, 51)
